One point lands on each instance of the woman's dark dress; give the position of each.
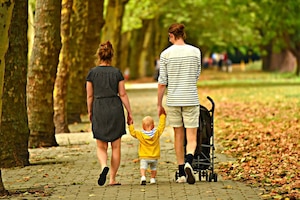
(108, 120)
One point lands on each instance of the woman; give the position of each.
(106, 96)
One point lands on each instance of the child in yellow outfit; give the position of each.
(149, 146)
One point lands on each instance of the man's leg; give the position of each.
(179, 150)
(179, 144)
(191, 136)
(191, 121)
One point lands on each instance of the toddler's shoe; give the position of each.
(143, 180)
(152, 181)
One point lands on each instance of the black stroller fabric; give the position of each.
(204, 133)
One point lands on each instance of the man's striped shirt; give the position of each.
(180, 67)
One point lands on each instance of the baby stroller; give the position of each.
(204, 156)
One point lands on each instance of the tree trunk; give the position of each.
(30, 33)
(6, 14)
(113, 28)
(61, 86)
(296, 52)
(135, 48)
(76, 81)
(283, 61)
(147, 58)
(3, 191)
(14, 131)
(124, 56)
(266, 59)
(42, 73)
(298, 65)
(94, 26)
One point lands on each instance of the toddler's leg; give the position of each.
(153, 173)
(143, 167)
(153, 167)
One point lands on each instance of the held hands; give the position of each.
(161, 110)
(129, 119)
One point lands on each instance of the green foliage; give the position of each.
(136, 11)
(223, 24)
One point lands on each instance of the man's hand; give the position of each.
(161, 110)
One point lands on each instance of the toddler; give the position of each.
(149, 146)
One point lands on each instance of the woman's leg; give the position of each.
(102, 153)
(115, 160)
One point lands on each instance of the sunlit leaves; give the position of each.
(263, 134)
(137, 10)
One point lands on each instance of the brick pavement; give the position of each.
(71, 170)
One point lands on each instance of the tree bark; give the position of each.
(147, 58)
(6, 14)
(94, 25)
(282, 61)
(14, 129)
(135, 49)
(77, 74)
(113, 28)
(42, 73)
(61, 86)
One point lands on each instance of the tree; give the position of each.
(141, 32)
(76, 81)
(112, 30)
(6, 10)
(61, 86)
(14, 130)
(42, 72)
(95, 22)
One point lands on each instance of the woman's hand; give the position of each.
(129, 119)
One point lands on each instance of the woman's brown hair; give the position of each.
(177, 30)
(105, 52)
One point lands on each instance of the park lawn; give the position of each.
(257, 121)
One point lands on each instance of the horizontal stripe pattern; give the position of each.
(180, 67)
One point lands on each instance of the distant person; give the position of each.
(149, 146)
(106, 96)
(180, 67)
(127, 74)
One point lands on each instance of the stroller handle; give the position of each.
(212, 103)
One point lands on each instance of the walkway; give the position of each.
(71, 170)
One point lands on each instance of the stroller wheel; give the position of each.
(206, 176)
(215, 177)
(211, 176)
(176, 175)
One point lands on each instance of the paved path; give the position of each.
(71, 170)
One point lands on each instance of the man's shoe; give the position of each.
(189, 173)
(181, 179)
(143, 180)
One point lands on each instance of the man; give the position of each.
(180, 67)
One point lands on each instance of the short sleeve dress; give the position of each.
(108, 120)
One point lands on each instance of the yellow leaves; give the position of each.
(264, 137)
(227, 187)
